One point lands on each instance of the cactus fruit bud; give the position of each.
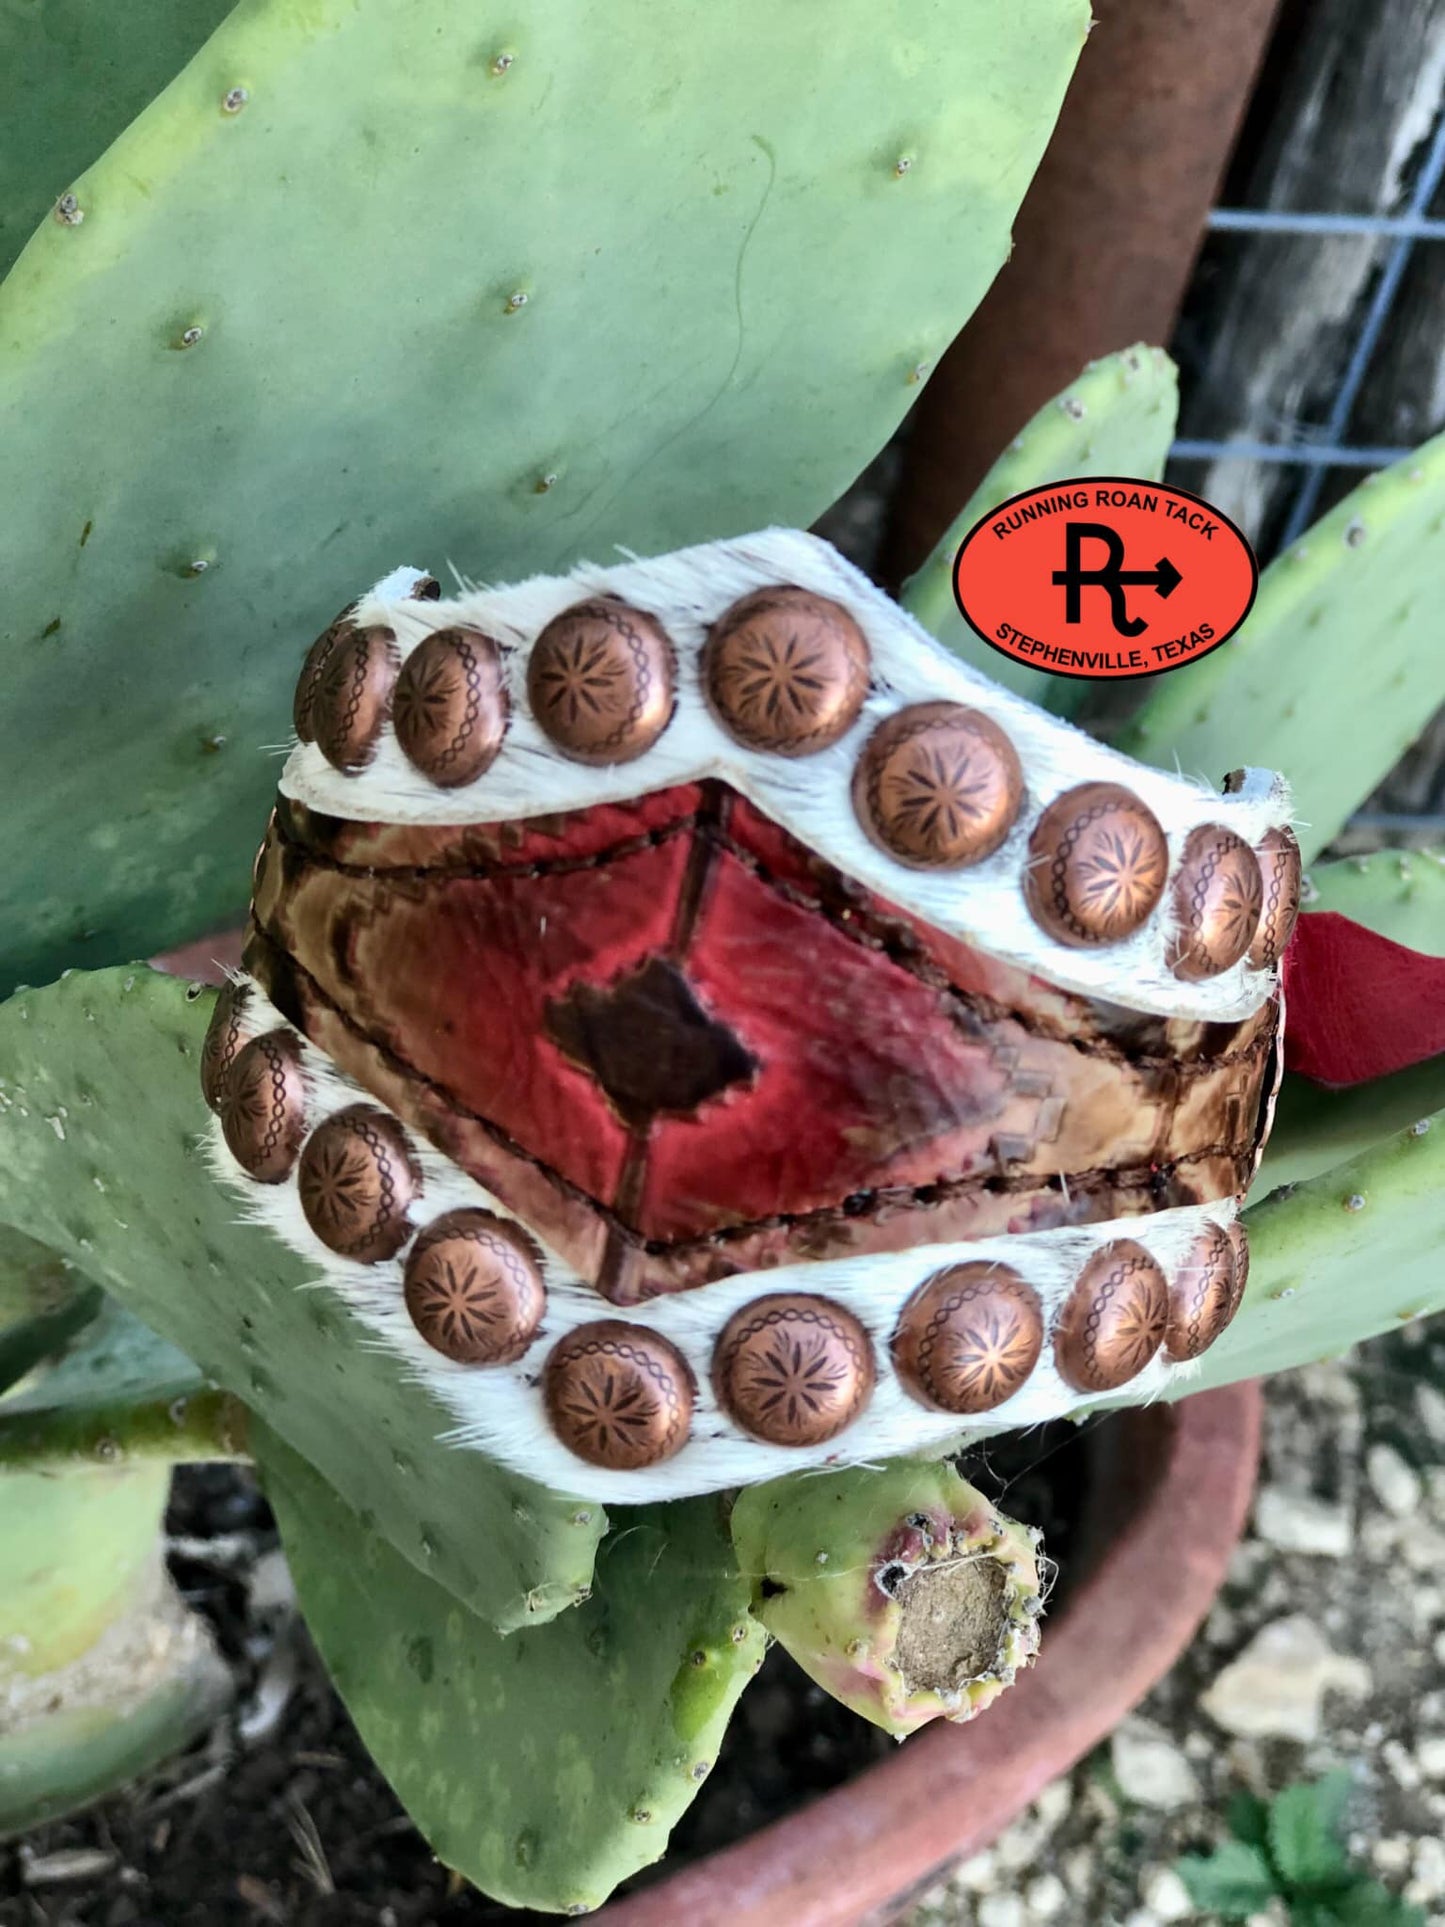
(902, 1591)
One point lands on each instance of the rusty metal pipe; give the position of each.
(1103, 246)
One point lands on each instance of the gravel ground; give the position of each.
(1326, 1649)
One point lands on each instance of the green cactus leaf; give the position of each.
(72, 76)
(593, 275)
(103, 1673)
(551, 1765)
(1116, 419)
(1399, 893)
(31, 1345)
(1338, 666)
(102, 1160)
(44, 1305)
(113, 1360)
(33, 1281)
(1350, 1253)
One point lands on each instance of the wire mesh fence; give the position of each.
(1315, 453)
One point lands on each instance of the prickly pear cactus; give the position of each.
(1317, 1128)
(1400, 893)
(72, 76)
(471, 313)
(550, 1765)
(103, 1669)
(102, 1161)
(901, 1591)
(1347, 1254)
(44, 1303)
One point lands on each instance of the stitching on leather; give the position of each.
(483, 872)
(988, 1009)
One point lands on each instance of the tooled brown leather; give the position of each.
(1005, 1104)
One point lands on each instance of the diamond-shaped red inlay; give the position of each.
(701, 1043)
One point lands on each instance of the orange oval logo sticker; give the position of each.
(1105, 576)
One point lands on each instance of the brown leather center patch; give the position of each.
(649, 1043)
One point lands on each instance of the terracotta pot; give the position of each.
(1173, 1486)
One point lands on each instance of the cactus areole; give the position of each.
(703, 1029)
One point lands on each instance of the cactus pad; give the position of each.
(1316, 1128)
(899, 1589)
(101, 1159)
(1339, 664)
(548, 1766)
(72, 75)
(114, 1360)
(44, 1306)
(1116, 419)
(1352, 1252)
(586, 276)
(103, 1672)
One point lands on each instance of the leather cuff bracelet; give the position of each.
(704, 1029)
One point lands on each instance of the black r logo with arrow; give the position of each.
(1111, 576)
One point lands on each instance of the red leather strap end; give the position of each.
(1359, 1005)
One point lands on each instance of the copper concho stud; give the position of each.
(793, 1369)
(223, 1041)
(353, 697)
(1202, 1300)
(474, 1288)
(938, 786)
(317, 657)
(1217, 899)
(618, 1395)
(1279, 865)
(1113, 1320)
(601, 681)
(357, 1181)
(450, 707)
(786, 670)
(1096, 865)
(263, 1112)
(969, 1337)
